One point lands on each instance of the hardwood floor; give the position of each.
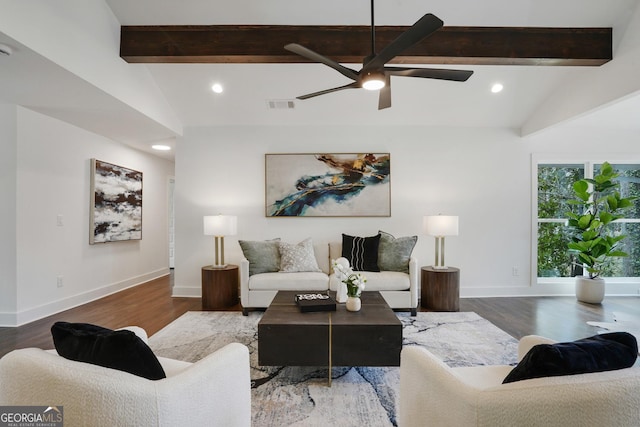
(151, 306)
(558, 318)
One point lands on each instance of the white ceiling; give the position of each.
(415, 101)
(248, 87)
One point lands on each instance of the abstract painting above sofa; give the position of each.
(322, 185)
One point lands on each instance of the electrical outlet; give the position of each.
(60, 281)
(515, 271)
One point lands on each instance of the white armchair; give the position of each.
(433, 394)
(214, 391)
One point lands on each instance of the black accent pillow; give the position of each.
(362, 252)
(605, 352)
(122, 350)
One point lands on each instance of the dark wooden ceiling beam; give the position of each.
(350, 44)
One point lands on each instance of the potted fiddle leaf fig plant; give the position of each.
(597, 205)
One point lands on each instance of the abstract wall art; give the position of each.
(116, 203)
(325, 185)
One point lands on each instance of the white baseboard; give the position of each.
(187, 292)
(35, 313)
(543, 290)
(8, 319)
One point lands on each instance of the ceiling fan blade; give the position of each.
(353, 85)
(430, 73)
(384, 99)
(424, 27)
(309, 54)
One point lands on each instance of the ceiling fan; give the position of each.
(374, 75)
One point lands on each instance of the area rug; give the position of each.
(358, 396)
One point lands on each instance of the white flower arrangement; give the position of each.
(355, 281)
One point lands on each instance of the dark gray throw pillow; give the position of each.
(122, 350)
(394, 253)
(362, 252)
(263, 255)
(604, 352)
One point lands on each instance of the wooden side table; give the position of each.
(440, 289)
(219, 287)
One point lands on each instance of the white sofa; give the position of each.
(258, 290)
(432, 393)
(400, 290)
(213, 391)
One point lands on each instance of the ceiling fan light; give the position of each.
(373, 81)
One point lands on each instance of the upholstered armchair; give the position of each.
(213, 391)
(433, 394)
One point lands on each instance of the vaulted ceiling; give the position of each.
(249, 86)
(547, 82)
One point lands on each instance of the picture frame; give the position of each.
(116, 203)
(327, 185)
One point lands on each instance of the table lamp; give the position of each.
(440, 226)
(220, 226)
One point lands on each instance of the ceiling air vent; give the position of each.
(281, 104)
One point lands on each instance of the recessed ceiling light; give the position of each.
(217, 88)
(497, 87)
(161, 147)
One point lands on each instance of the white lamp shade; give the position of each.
(220, 225)
(440, 225)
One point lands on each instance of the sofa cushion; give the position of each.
(379, 281)
(301, 281)
(122, 349)
(604, 352)
(394, 253)
(298, 257)
(263, 255)
(362, 252)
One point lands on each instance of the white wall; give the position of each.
(8, 177)
(483, 175)
(53, 178)
(83, 37)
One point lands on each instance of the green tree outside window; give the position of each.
(554, 190)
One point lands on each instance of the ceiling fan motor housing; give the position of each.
(375, 74)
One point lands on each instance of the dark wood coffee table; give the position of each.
(369, 337)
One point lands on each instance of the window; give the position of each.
(554, 189)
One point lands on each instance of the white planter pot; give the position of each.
(589, 290)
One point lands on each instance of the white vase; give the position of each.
(353, 304)
(341, 293)
(589, 290)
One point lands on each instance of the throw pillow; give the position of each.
(605, 352)
(122, 350)
(298, 257)
(394, 253)
(362, 252)
(263, 256)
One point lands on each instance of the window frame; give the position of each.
(589, 163)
